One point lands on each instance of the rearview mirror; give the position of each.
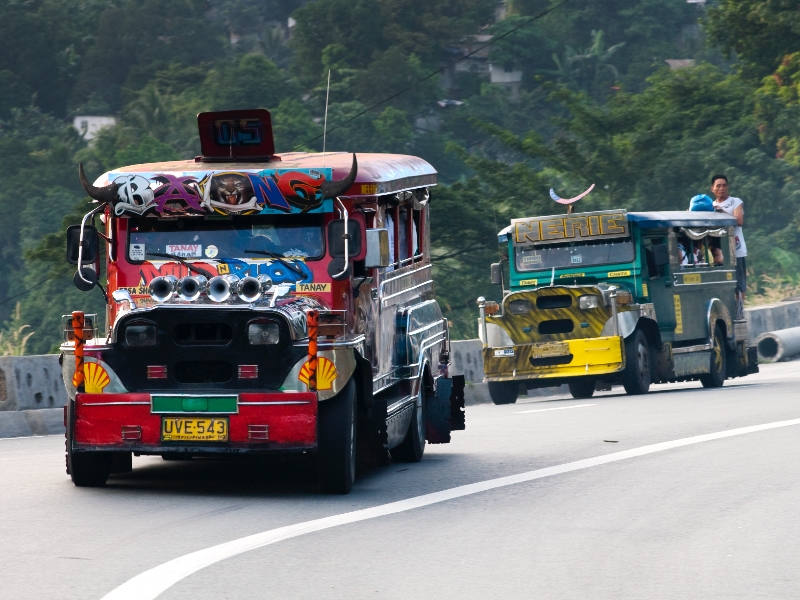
(497, 274)
(661, 254)
(377, 249)
(336, 238)
(91, 244)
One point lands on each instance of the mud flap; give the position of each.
(457, 413)
(437, 422)
(752, 359)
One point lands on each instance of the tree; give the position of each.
(760, 32)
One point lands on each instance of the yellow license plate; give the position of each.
(185, 429)
(548, 350)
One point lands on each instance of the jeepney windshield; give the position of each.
(574, 254)
(202, 239)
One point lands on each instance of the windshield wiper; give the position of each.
(186, 264)
(279, 258)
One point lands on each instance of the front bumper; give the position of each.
(593, 356)
(263, 423)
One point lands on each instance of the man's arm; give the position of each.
(738, 212)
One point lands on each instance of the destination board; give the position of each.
(575, 227)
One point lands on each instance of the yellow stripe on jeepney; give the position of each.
(591, 356)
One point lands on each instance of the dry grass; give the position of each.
(771, 289)
(13, 341)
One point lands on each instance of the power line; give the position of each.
(33, 287)
(544, 13)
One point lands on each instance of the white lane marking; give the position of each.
(152, 583)
(25, 437)
(522, 412)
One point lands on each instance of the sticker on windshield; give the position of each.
(532, 259)
(576, 259)
(185, 250)
(136, 251)
(211, 251)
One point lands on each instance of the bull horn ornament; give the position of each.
(332, 189)
(104, 194)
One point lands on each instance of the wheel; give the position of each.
(636, 376)
(87, 469)
(413, 445)
(716, 377)
(336, 441)
(504, 392)
(582, 388)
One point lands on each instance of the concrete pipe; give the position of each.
(777, 345)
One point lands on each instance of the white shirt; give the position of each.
(729, 206)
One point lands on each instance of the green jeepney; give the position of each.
(615, 297)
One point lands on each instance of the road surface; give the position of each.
(701, 517)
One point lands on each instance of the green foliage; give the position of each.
(596, 104)
(760, 32)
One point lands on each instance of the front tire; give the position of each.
(716, 378)
(504, 392)
(336, 441)
(412, 447)
(636, 377)
(582, 388)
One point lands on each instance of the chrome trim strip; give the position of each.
(428, 326)
(115, 404)
(687, 349)
(398, 275)
(400, 405)
(408, 289)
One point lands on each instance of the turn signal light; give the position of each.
(248, 371)
(624, 297)
(156, 371)
(492, 307)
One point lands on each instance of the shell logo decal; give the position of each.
(96, 378)
(326, 373)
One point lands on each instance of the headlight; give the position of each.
(519, 307)
(139, 334)
(261, 334)
(587, 302)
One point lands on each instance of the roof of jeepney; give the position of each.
(656, 219)
(681, 218)
(377, 173)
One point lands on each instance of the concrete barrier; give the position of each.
(19, 423)
(772, 317)
(31, 383)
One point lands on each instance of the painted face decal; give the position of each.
(229, 193)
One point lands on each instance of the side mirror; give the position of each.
(336, 238)
(91, 245)
(497, 274)
(377, 249)
(87, 281)
(661, 254)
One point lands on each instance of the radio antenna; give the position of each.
(325, 125)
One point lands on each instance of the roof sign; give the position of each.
(236, 134)
(575, 227)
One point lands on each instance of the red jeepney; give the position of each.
(257, 303)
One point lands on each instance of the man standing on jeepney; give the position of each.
(735, 208)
